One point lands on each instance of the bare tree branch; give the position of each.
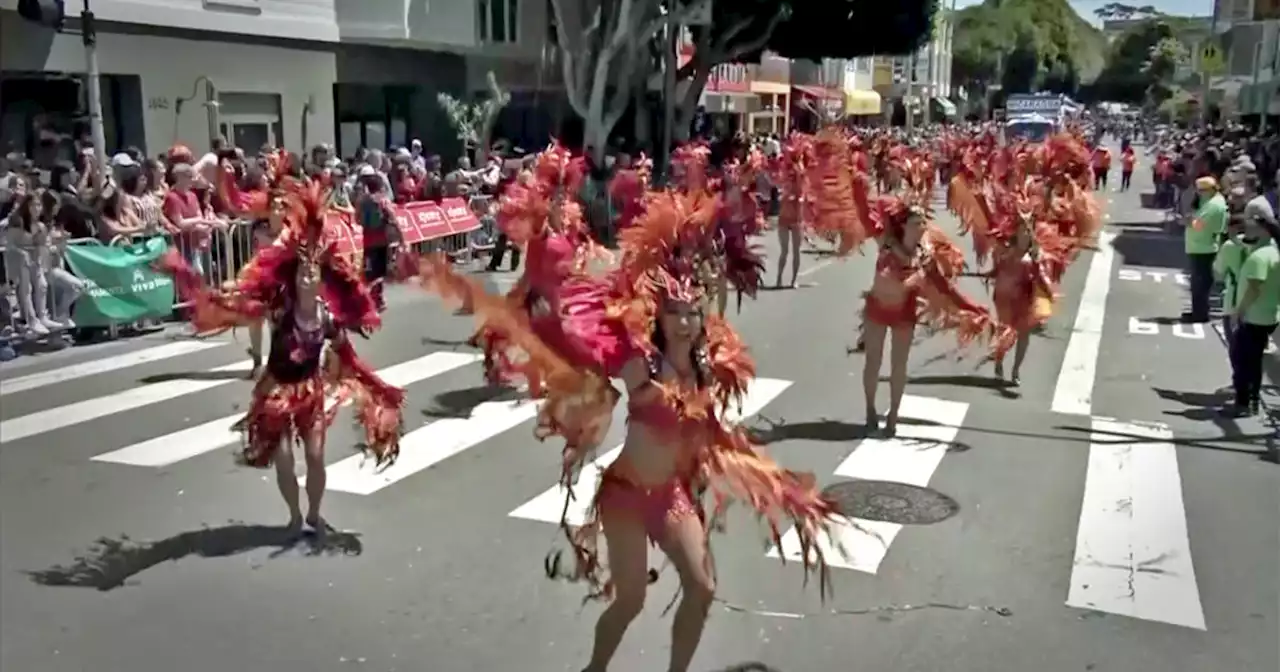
(759, 42)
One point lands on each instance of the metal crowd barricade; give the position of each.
(220, 261)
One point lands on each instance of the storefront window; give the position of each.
(46, 115)
(374, 117)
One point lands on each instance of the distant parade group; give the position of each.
(648, 311)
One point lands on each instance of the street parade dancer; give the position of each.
(312, 295)
(787, 171)
(916, 266)
(1032, 213)
(644, 322)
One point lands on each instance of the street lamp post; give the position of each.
(89, 36)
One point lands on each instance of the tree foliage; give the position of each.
(817, 29)
(1141, 65)
(1025, 45)
(474, 122)
(1118, 11)
(606, 46)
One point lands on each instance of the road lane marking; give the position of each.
(163, 451)
(1133, 555)
(1073, 393)
(424, 448)
(92, 409)
(546, 507)
(94, 367)
(910, 457)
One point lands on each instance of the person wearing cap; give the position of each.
(1201, 245)
(1254, 314)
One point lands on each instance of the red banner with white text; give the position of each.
(418, 222)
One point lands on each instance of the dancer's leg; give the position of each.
(899, 353)
(313, 451)
(628, 556)
(1020, 354)
(685, 544)
(797, 235)
(784, 243)
(873, 335)
(287, 482)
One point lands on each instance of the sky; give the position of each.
(1085, 7)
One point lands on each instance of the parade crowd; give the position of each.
(191, 202)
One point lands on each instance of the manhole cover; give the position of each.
(891, 502)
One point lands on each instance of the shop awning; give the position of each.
(948, 107)
(861, 102)
(818, 92)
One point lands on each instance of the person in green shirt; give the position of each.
(1226, 270)
(1255, 314)
(1202, 235)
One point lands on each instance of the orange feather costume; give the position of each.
(1026, 208)
(289, 400)
(583, 334)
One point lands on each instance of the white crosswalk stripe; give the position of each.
(92, 409)
(164, 450)
(911, 457)
(1114, 539)
(107, 364)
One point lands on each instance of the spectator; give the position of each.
(1256, 314)
(433, 184)
(26, 245)
(117, 217)
(66, 287)
(183, 209)
(1201, 244)
(377, 220)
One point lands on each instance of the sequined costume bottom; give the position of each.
(281, 412)
(622, 495)
(891, 315)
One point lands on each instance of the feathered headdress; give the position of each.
(268, 281)
(662, 258)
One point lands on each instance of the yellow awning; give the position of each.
(861, 102)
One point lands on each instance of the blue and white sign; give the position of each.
(1019, 103)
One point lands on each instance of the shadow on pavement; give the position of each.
(447, 343)
(825, 429)
(111, 562)
(1137, 246)
(972, 381)
(193, 375)
(459, 403)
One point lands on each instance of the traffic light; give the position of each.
(49, 13)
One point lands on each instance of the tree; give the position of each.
(818, 29)
(1165, 57)
(739, 30)
(1134, 64)
(1118, 11)
(605, 46)
(1026, 45)
(474, 122)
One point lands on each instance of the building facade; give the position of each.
(1246, 33)
(860, 98)
(290, 73)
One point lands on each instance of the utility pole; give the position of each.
(930, 69)
(671, 63)
(911, 90)
(89, 36)
(1204, 76)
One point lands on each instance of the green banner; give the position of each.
(120, 285)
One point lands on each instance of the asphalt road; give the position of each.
(1098, 518)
